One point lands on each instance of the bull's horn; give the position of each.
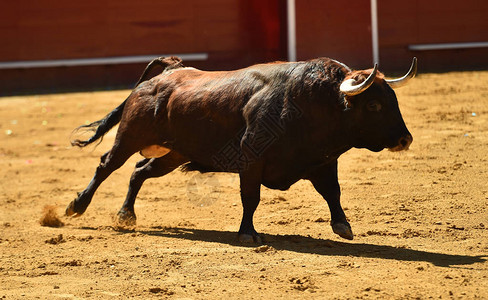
(399, 82)
(350, 88)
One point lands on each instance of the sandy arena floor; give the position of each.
(420, 217)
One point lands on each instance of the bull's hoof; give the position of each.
(126, 217)
(77, 207)
(71, 211)
(343, 229)
(250, 239)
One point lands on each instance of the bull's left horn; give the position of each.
(399, 82)
(350, 88)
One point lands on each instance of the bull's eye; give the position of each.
(374, 106)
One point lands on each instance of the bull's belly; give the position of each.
(209, 147)
(280, 180)
(281, 174)
(275, 185)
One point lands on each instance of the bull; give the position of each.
(273, 124)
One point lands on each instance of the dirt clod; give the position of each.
(56, 240)
(263, 248)
(158, 290)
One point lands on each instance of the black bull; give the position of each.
(274, 124)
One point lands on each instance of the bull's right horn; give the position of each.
(350, 88)
(399, 82)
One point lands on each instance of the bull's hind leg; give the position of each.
(147, 168)
(109, 162)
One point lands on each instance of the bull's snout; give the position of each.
(403, 143)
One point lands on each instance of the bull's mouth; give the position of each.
(398, 148)
(403, 144)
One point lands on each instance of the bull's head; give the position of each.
(378, 123)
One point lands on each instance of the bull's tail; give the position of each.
(101, 127)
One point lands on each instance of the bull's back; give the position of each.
(205, 110)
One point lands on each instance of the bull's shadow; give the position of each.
(304, 244)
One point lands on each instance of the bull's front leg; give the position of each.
(326, 183)
(250, 182)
